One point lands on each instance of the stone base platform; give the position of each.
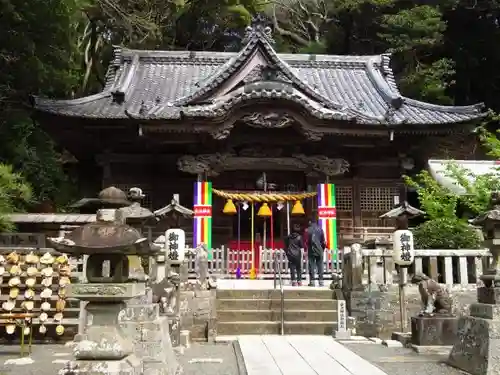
(477, 349)
(434, 331)
(127, 365)
(403, 337)
(432, 350)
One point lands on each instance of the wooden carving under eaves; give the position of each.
(209, 164)
(270, 120)
(214, 164)
(267, 120)
(324, 165)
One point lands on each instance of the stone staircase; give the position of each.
(307, 311)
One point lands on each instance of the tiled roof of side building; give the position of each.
(171, 84)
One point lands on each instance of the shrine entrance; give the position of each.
(251, 182)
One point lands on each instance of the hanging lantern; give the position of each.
(229, 207)
(264, 211)
(297, 209)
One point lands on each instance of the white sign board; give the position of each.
(175, 244)
(341, 315)
(403, 247)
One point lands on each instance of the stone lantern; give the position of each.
(490, 223)
(106, 241)
(477, 349)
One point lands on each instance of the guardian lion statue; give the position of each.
(435, 299)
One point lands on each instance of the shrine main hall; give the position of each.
(166, 119)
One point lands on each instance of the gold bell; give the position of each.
(298, 209)
(253, 274)
(229, 207)
(264, 211)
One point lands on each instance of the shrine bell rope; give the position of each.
(263, 197)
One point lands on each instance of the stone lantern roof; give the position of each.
(403, 209)
(111, 197)
(489, 216)
(106, 236)
(135, 213)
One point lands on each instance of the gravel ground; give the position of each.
(199, 359)
(403, 361)
(42, 355)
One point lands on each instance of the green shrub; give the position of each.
(446, 233)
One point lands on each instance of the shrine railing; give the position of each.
(450, 267)
(225, 261)
(362, 234)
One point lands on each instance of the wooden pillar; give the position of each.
(312, 206)
(356, 203)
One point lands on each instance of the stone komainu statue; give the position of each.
(435, 298)
(165, 293)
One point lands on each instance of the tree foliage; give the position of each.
(446, 233)
(15, 193)
(37, 56)
(446, 228)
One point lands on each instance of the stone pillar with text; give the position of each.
(477, 350)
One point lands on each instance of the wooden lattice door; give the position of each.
(375, 201)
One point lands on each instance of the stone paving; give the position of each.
(402, 361)
(198, 359)
(221, 358)
(301, 355)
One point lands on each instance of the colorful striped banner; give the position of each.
(327, 215)
(202, 224)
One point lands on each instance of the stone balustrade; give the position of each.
(450, 267)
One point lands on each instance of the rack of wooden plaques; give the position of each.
(35, 283)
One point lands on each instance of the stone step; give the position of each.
(273, 328)
(275, 304)
(275, 315)
(295, 293)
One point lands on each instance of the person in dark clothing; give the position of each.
(316, 245)
(293, 250)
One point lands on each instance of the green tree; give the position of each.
(443, 229)
(37, 56)
(435, 200)
(158, 24)
(15, 193)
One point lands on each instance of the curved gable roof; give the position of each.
(170, 84)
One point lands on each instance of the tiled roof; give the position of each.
(175, 84)
(52, 218)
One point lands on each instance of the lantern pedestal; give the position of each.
(103, 349)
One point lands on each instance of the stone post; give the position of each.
(149, 334)
(477, 350)
(82, 314)
(357, 266)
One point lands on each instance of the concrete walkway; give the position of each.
(301, 355)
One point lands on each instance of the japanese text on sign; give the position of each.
(175, 243)
(342, 315)
(405, 247)
(327, 212)
(202, 211)
(403, 252)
